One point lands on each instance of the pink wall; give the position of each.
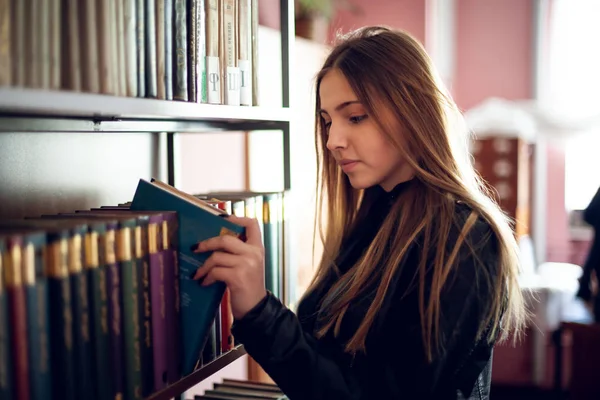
(408, 15)
(493, 50)
(557, 233)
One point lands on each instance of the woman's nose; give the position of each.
(336, 138)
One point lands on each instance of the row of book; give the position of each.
(100, 303)
(235, 389)
(189, 50)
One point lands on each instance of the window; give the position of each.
(574, 85)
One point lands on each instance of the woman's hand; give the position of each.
(241, 265)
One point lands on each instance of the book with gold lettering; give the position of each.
(5, 359)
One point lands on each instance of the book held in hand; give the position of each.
(197, 221)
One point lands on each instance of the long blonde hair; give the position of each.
(388, 69)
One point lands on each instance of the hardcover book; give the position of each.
(197, 221)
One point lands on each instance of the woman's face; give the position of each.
(361, 150)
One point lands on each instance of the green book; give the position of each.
(197, 221)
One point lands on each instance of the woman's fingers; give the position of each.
(228, 243)
(253, 235)
(219, 273)
(217, 258)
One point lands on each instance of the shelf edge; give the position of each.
(189, 381)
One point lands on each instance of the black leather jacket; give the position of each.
(394, 366)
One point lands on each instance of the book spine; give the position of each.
(200, 63)
(218, 332)
(61, 328)
(38, 321)
(71, 73)
(131, 320)
(231, 69)
(43, 12)
(113, 46)
(245, 52)
(121, 50)
(17, 43)
(180, 89)
(158, 301)
(17, 319)
(5, 357)
(160, 49)
(54, 16)
(131, 50)
(104, 46)
(150, 44)
(81, 324)
(210, 346)
(89, 46)
(5, 43)
(169, 57)
(144, 309)
(141, 47)
(115, 317)
(213, 66)
(32, 39)
(270, 221)
(171, 304)
(100, 335)
(226, 322)
(254, 56)
(192, 17)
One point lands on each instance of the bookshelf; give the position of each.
(54, 143)
(199, 375)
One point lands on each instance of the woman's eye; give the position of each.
(357, 118)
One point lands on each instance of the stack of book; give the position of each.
(101, 302)
(233, 389)
(189, 50)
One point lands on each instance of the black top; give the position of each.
(394, 365)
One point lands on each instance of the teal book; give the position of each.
(197, 221)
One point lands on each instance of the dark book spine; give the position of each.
(209, 352)
(141, 47)
(192, 17)
(180, 90)
(115, 317)
(6, 367)
(145, 313)
(131, 317)
(144, 306)
(226, 321)
(131, 329)
(158, 301)
(81, 327)
(37, 319)
(97, 286)
(17, 314)
(169, 57)
(160, 48)
(61, 327)
(218, 333)
(150, 36)
(96, 270)
(172, 302)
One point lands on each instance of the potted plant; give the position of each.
(312, 17)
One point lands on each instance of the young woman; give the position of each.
(418, 278)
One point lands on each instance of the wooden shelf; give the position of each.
(199, 375)
(63, 104)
